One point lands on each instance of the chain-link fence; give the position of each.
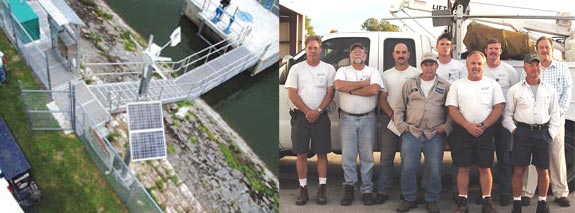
(43, 113)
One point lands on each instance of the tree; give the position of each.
(372, 24)
(308, 26)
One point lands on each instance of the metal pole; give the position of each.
(48, 69)
(73, 105)
(458, 32)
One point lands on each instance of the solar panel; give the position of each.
(146, 126)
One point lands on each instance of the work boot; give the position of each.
(348, 196)
(303, 196)
(321, 194)
(525, 201)
(381, 198)
(562, 201)
(461, 205)
(542, 207)
(487, 206)
(516, 206)
(405, 206)
(432, 207)
(367, 199)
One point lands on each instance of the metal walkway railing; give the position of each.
(198, 73)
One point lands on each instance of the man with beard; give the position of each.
(475, 104)
(310, 88)
(358, 86)
(506, 76)
(393, 80)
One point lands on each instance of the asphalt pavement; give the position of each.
(289, 192)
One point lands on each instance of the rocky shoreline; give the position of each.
(209, 166)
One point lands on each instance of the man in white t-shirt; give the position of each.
(310, 88)
(358, 86)
(475, 104)
(449, 69)
(506, 76)
(393, 79)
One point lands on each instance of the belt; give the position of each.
(533, 126)
(355, 115)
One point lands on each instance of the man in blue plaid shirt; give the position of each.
(557, 75)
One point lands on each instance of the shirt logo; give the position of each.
(439, 90)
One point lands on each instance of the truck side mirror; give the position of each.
(287, 62)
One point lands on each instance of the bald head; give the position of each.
(400, 54)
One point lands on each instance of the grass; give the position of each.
(67, 177)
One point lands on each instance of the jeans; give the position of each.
(2, 73)
(357, 137)
(389, 145)
(411, 148)
(502, 139)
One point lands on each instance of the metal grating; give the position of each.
(147, 136)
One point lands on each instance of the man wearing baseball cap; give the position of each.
(422, 118)
(532, 116)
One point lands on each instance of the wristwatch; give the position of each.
(319, 110)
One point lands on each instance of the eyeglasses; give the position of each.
(357, 52)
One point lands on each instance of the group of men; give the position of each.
(477, 107)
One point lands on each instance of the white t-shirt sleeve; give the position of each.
(376, 78)
(340, 74)
(330, 75)
(292, 78)
(451, 99)
(498, 96)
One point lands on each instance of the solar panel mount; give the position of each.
(146, 127)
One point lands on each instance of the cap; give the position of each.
(529, 57)
(429, 57)
(354, 45)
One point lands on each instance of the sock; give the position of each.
(322, 181)
(542, 198)
(517, 198)
(484, 196)
(465, 196)
(303, 182)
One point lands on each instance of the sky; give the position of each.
(347, 16)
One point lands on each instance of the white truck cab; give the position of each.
(335, 51)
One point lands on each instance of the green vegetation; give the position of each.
(129, 43)
(69, 180)
(88, 2)
(171, 149)
(236, 160)
(185, 103)
(94, 37)
(102, 14)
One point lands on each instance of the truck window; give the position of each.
(388, 46)
(335, 52)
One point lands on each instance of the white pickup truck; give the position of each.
(380, 46)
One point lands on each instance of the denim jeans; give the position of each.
(502, 139)
(389, 145)
(2, 73)
(411, 148)
(357, 136)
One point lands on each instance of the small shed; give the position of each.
(28, 19)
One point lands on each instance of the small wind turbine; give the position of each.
(150, 56)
